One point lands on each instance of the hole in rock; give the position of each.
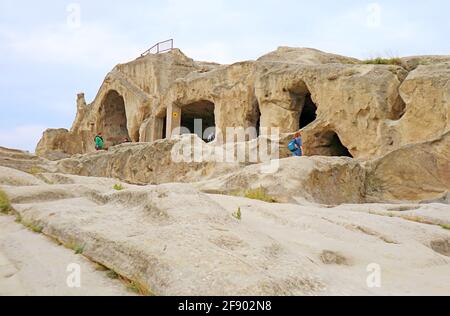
(161, 126)
(303, 104)
(327, 144)
(309, 112)
(113, 118)
(203, 113)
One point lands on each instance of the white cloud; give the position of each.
(90, 45)
(23, 137)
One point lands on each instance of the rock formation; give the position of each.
(343, 106)
(162, 210)
(172, 239)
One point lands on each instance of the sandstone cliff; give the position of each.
(344, 106)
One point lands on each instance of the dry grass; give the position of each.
(5, 204)
(35, 170)
(77, 248)
(259, 194)
(415, 219)
(33, 227)
(383, 61)
(445, 226)
(36, 228)
(112, 275)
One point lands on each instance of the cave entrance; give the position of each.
(258, 120)
(254, 120)
(327, 144)
(161, 126)
(303, 103)
(309, 112)
(113, 119)
(201, 111)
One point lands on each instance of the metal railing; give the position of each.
(160, 47)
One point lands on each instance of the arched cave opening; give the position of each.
(309, 112)
(113, 119)
(303, 103)
(327, 143)
(201, 111)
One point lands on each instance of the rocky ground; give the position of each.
(31, 264)
(173, 239)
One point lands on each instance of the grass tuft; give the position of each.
(34, 228)
(30, 225)
(118, 187)
(259, 194)
(5, 204)
(383, 61)
(77, 248)
(35, 170)
(445, 226)
(238, 214)
(112, 275)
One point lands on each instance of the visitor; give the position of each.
(296, 145)
(211, 137)
(99, 142)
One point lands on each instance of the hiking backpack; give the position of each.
(292, 146)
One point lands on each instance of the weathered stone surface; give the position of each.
(146, 163)
(365, 111)
(25, 161)
(175, 240)
(318, 179)
(415, 172)
(327, 180)
(426, 92)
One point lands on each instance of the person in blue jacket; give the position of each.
(296, 145)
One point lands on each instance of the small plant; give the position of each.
(5, 204)
(31, 226)
(445, 226)
(101, 268)
(112, 275)
(77, 248)
(238, 214)
(383, 61)
(35, 170)
(35, 228)
(259, 194)
(118, 187)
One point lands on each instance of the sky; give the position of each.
(52, 49)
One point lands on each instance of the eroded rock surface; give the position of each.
(343, 106)
(176, 240)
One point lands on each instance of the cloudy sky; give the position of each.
(52, 49)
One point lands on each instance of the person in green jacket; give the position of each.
(99, 142)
